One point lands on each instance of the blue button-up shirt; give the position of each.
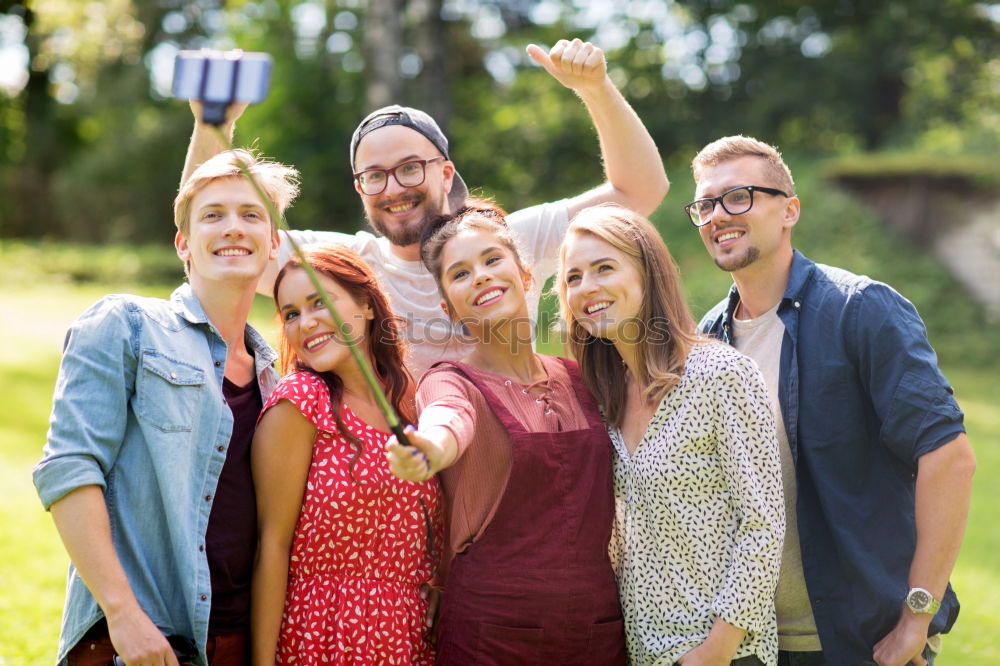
(138, 410)
(862, 399)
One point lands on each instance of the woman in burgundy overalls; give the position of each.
(525, 462)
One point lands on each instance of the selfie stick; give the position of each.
(383, 402)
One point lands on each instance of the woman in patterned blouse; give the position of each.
(700, 517)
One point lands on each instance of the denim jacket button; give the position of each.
(220, 448)
(208, 498)
(173, 375)
(204, 597)
(218, 364)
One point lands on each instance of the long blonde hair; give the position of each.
(665, 320)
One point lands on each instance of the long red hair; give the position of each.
(383, 339)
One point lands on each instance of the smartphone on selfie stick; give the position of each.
(220, 78)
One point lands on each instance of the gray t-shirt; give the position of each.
(760, 339)
(413, 292)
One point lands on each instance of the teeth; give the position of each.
(729, 235)
(402, 207)
(487, 296)
(233, 252)
(316, 341)
(598, 306)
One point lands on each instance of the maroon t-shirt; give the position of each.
(231, 539)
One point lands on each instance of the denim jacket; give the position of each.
(138, 411)
(862, 399)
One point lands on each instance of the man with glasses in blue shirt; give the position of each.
(876, 465)
(405, 177)
(146, 466)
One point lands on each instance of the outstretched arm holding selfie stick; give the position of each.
(205, 141)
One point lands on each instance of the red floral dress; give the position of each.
(360, 550)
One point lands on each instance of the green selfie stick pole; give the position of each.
(383, 402)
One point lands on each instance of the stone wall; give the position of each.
(951, 215)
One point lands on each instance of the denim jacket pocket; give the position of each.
(168, 392)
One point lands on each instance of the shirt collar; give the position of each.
(798, 276)
(188, 304)
(189, 307)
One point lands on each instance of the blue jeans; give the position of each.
(752, 660)
(816, 658)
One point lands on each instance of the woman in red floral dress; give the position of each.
(344, 545)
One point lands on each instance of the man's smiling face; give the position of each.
(401, 213)
(230, 236)
(737, 242)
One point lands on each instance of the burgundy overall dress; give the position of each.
(537, 586)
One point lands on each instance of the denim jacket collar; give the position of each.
(189, 307)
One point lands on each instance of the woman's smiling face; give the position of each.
(309, 326)
(604, 287)
(482, 279)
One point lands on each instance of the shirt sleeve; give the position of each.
(540, 231)
(310, 395)
(898, 367)
(285, 250)
(748, 452)
(91, 401)
(443, 400)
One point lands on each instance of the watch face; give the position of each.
(919, 600)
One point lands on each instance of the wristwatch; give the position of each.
(920, 600)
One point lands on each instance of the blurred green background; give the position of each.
(887, 112)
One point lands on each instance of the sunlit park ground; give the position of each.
(35, 310)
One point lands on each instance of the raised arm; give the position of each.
(205, 143)
(81, 518)
(280, 459)
(635, 175)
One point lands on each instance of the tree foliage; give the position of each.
(91, 149)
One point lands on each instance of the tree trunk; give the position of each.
(32, 212)
(430, 43)
(383, 46)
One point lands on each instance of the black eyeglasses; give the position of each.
(407, 174)
(735, 202)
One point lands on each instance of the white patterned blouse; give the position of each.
(700, 516)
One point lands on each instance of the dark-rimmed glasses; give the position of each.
(408, 174)
(735, 202)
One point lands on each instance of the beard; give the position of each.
(732, 264)
(409, 233)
